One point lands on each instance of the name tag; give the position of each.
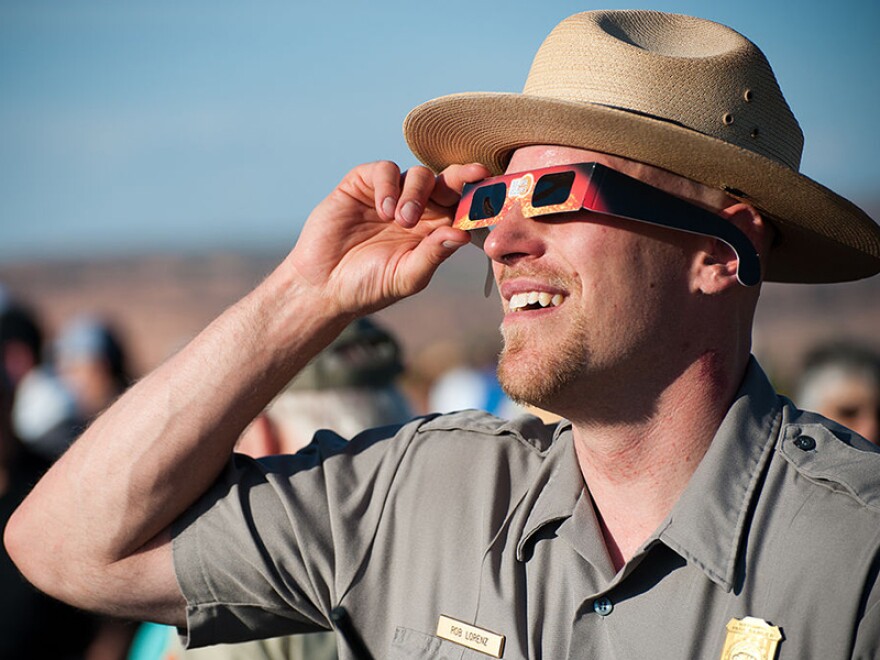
(470, 636)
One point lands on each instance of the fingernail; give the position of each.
(410, 212)
(388, 206)
(449, 245)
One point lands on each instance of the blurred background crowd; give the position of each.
(72, 342)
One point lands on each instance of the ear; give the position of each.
(260, 438)
(717, 262)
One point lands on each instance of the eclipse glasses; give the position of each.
(599, 189)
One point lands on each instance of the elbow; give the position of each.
(31, 550)
(15, 538)
(142, 586)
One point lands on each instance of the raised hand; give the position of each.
(380, 235)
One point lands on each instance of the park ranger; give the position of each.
(640, 188)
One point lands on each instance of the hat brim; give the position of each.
(824, 237)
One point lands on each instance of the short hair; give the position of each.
(93, 338)
(345, 410)
(825, 365)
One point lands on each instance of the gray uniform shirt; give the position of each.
(489, 523)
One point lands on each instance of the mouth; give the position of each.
(531, 300)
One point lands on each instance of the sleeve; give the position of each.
(272, 547)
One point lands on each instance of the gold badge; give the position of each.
(470, 636)
(750, 639)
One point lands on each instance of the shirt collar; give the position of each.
(554, 491)
(706, 525)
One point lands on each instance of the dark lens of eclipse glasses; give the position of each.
(552, 189)
(488, 201)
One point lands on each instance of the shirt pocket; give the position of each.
(409, 644)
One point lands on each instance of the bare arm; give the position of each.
(94, 531)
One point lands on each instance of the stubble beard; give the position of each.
(541, 371)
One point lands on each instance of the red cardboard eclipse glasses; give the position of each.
(600, 189)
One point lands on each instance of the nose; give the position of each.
(514, 238)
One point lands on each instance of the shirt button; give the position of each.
(603, 606)
(805, 443)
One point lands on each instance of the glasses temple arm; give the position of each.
(658, 207)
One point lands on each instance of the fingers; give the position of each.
(400, 197)
(386, 187)
(404, 198)
(418, 184)
(447, 190)
(380, 234)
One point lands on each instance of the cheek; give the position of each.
(594, 251)
(639, 288)
(618, 263)
(625, 270)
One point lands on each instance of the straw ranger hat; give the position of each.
(684, 94)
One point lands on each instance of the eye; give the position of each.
(846, 412)
(552, 189)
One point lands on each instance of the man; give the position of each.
(683, 511)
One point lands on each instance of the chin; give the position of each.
(535, 378)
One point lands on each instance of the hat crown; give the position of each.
(689, 71)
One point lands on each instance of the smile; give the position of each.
(529, 300)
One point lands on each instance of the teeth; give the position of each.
(520, 301)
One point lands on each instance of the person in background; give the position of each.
(32, 624)
(841, 380)
(44, 414)
(21, 338)
(473, 383)
(92, 362)
(349, 386)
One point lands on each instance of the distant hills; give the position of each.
(159, 301)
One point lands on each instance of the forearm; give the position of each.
(94, 532)
(149, 456)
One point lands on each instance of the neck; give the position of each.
(636, 467)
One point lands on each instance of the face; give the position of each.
(90, 381)
(589, 301)
(854, 401)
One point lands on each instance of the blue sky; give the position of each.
(194, 125)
